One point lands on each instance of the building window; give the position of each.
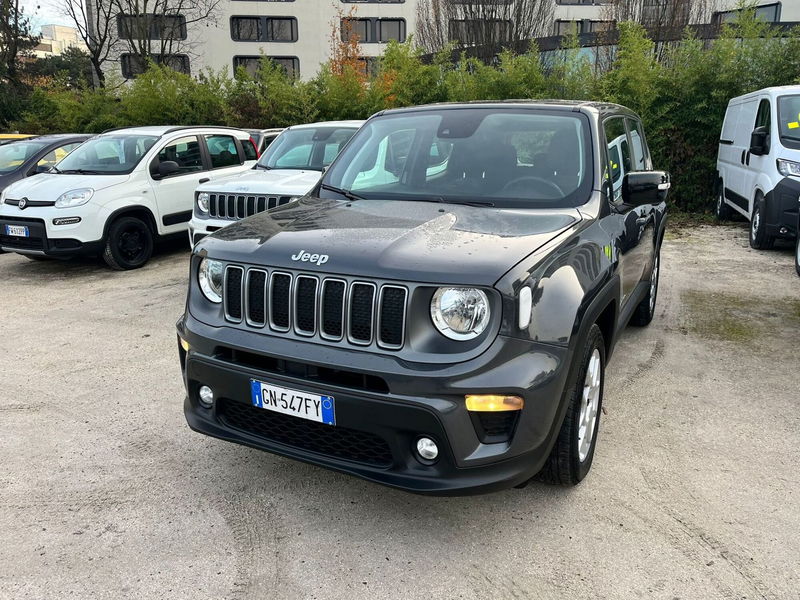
(369, 64)
(151, 26)
(771, 13)
(264, 29)
(579, 26)
(479, 31)
(374, 30)
(573, 2)
(290, 64)
(135, 64)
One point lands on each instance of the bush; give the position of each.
(681, 97)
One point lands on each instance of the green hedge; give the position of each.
(682, 97)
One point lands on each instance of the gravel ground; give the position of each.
(106, 493)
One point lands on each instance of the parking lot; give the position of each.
(106, 493)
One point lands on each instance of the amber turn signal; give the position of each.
(493, 403)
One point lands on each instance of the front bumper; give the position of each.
(62, 241)
(377, 425)
(200, 228)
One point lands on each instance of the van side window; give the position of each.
(641, 155)
(763, 116)
(619, 159)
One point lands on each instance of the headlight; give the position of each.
(460, 313)
(209, 276)
(202, 201)
(788, 167)
(74, 198)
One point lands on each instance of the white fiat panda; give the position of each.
(758, 165)
(119, 192)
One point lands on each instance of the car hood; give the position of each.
(49, 186)
(8, 178)
(408, 241)
(283, 182)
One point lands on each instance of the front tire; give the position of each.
(797, 254)
(571, 458)
(759, 240)
(722, 211)
(129, 244)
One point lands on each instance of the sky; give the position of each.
(45, 12)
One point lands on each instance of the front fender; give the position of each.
(564, 282)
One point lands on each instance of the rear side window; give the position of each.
(729, 126)
(249, 149)
(619, 159)
(639, 153)
(222, 150)
(185, 152)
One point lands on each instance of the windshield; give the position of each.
(312, 148)
(789, 121)
(108, 155)
(12, 156)
(511, 157)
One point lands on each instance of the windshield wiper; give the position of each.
(82, 172)
(346, 193)
(441, 200)
(54, 170)
(260, 166)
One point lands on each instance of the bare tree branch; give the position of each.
(95, 22)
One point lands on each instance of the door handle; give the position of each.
(205, 180)
(747, 158)
(742, 161)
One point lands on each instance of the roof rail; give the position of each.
(174, 129)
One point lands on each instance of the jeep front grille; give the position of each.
(316, 306)
(234, 206)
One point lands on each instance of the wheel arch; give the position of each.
(142, 212)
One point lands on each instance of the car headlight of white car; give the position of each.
(460, 313)
(788, 167)
(210, 277)
(203, 199)
(74, 198)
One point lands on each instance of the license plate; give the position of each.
(17, 230)
(293, 402)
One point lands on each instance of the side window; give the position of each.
(185, 152)
(639, 151)
(222, 149)
(763, 115)
(52, 157)
(618, 154)
(249, 149)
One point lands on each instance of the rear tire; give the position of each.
(759, 240)
(647, 307)
(129, 244)
(723, 211)
(571, 458)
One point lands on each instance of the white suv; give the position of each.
(289, 169)
(119, 192)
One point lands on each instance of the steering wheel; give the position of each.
(532, 178)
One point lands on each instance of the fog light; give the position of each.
(184, 344)
(427, 448)
(493, 403)
(206, 396)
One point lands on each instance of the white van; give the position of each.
(119, 192)
(758, 165)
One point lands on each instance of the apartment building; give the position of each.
(297, 33)
(56, 39)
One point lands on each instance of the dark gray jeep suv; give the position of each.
(436, 315)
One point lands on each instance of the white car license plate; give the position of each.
(293, 402)
(17, 230)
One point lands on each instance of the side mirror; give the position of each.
(645, 187)
(759, 143)
(167, 168)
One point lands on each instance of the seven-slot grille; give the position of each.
(331, 308)
(238, 206)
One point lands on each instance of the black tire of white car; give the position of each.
(759, 240)
(797, 254)
(646, 309)
(129, 244)
(571, 458)
(723, 211)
